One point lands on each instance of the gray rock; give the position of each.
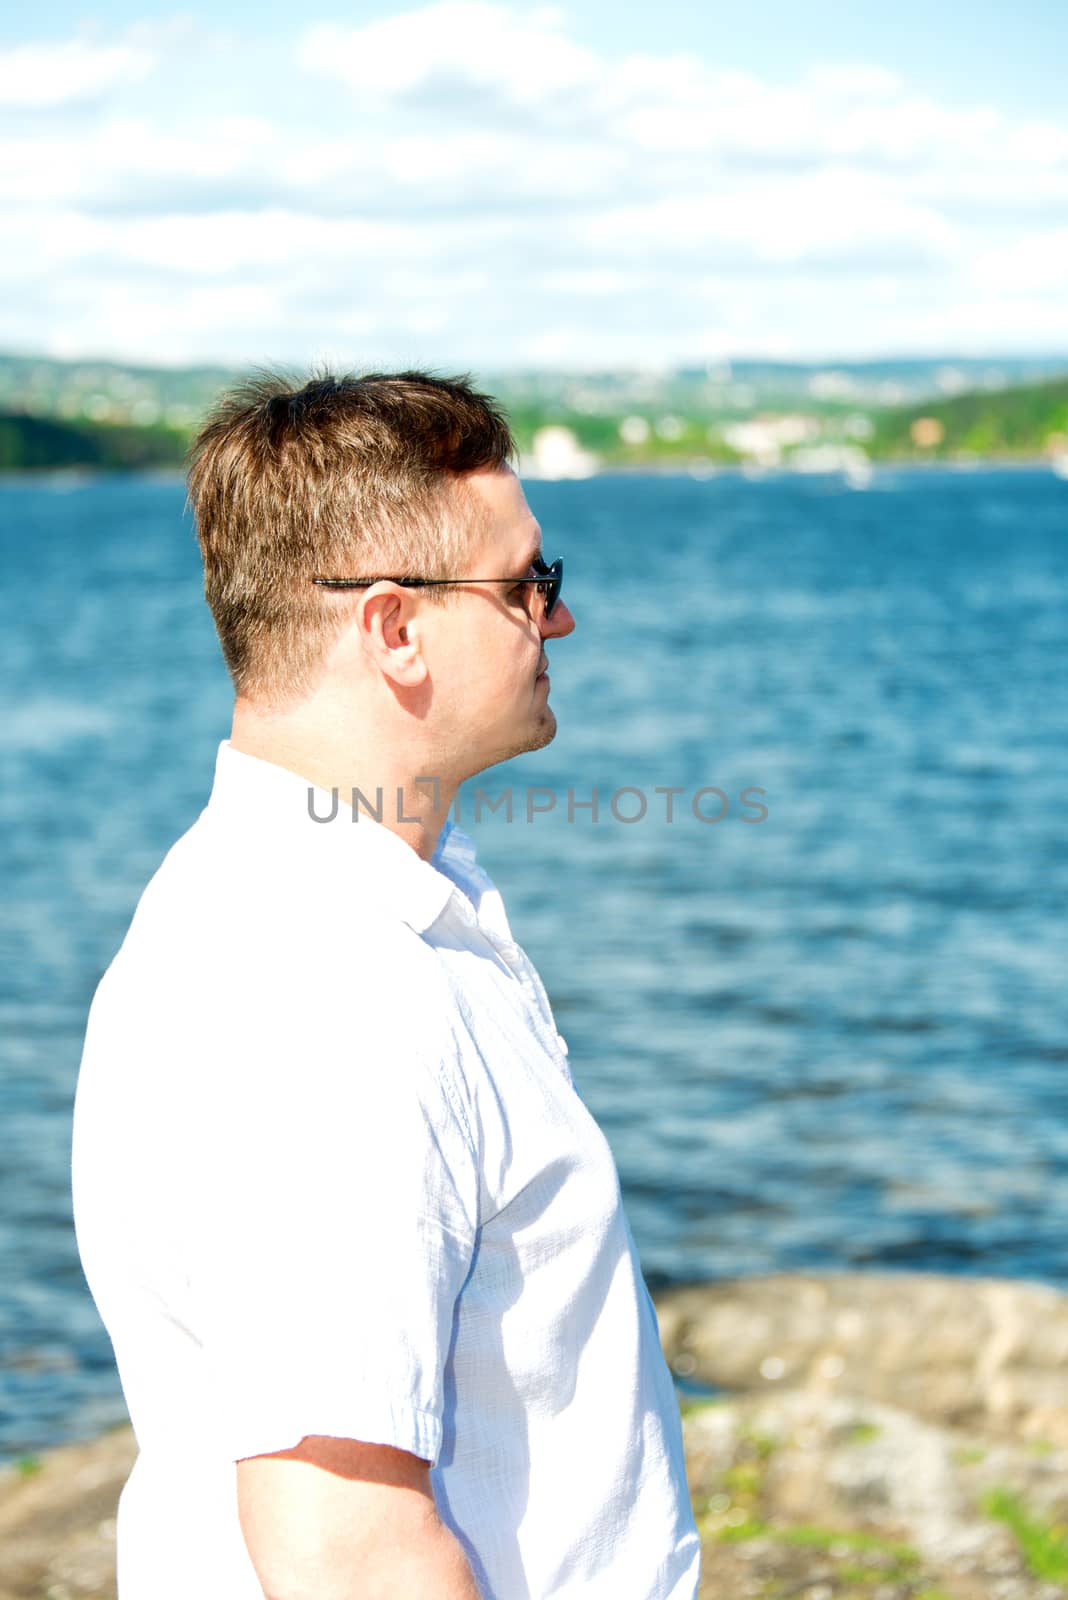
(972, 1352)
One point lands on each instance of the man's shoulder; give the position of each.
(248, 964)
(246, 905)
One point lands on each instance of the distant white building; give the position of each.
(763, 439)
(831, 386)
(848, 459)
(634, 430)
(556, 453)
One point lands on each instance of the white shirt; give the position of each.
(332, 1176)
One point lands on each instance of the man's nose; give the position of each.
(560, 624)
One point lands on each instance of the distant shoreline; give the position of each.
(567, 429)
(696, 469)
(744, 469)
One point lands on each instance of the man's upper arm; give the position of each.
(296, 1504)
(337, 1213)
(335, 1519)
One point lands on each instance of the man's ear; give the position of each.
(389, 632)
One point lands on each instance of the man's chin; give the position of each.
(545, 732)
(541, 733)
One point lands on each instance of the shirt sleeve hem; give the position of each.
(419, 1432)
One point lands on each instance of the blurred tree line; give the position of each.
(30, 444)
(1020, 423)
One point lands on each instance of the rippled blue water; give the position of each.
(835, 1038)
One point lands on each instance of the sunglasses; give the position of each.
(547, 581)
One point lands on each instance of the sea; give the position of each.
(809, 952)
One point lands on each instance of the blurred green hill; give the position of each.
(1031, 420)
(30, 444)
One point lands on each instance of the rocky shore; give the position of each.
(900, 1437)
(871, 1437)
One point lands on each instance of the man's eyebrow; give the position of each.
(534, 552)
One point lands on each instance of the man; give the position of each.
(357, 1241)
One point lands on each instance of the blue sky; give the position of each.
(1014, 56)
(472, 183)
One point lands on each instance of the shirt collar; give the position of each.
(263, 796)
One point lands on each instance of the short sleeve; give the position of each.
(337, 1221)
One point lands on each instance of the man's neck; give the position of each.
(399, 789)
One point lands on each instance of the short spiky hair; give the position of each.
(343, 476)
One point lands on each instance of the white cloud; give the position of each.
(43, 76)
(448, 61)
(453, 47)
(836, 214)
(125, 158)
(1034, 265)
(466, 182)
(859, 80)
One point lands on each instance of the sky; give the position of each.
(479, 185)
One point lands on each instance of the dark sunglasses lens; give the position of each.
(549, 585)
(555, 582)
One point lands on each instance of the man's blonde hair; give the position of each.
(344, 477)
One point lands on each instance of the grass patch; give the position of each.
(736, 1532)
(823, 1538)
(865, 1576)
(28, 1466)
(1044, 1546)
(812, 1538)
(690, 1406)
(745, 1478)
(862, 1432)
(761, 1443)
(968, 1455)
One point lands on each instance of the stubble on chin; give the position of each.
(543, 735)
(543, 732)
(538, 739)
